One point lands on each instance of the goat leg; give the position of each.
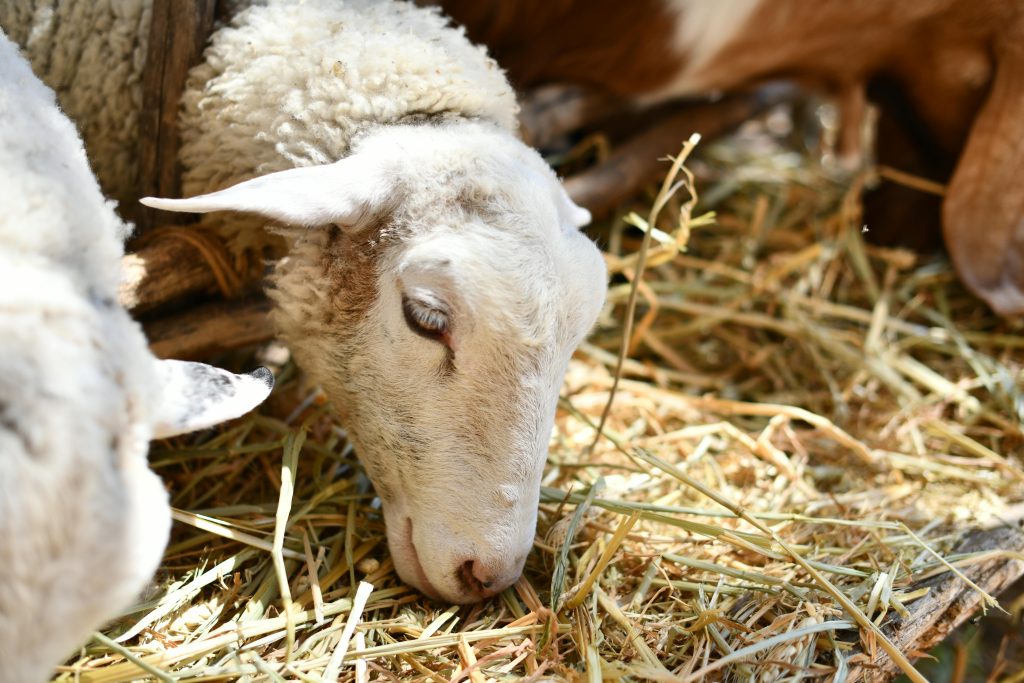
(551, 112)
(983, 214)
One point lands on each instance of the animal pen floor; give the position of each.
(814, 442)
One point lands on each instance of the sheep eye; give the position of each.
(426, 319)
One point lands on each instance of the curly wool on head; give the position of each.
(287, 84)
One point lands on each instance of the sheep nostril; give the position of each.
(466, 574)
(472, 574)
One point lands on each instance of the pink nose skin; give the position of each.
(478, 580)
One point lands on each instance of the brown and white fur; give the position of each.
(959, 65)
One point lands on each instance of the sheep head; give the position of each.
(437, 300)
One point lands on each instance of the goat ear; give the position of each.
(195, 396)
(983, 213)
(340, 193)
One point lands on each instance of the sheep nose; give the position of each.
(478, 580)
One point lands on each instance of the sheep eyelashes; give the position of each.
(428, 320)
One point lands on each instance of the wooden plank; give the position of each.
(178, 33)
(949, 602)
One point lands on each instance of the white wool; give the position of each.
(92, 53)
(83, 521)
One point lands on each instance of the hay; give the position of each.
(805, 427)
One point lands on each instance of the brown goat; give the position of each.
(958, 65)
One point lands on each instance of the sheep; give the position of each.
(83, 521)
(948, 72)
(431, 274)
(93, 55)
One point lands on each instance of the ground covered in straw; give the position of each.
(804, 427)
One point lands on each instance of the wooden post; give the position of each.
(177, 35)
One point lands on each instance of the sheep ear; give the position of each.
(195, 396)
(572, 214)
(982, 216)
(339, 193)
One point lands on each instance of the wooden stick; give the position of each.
(949, 602)
(161, 272)
(211, 329)
(641, 160)
(178, 32)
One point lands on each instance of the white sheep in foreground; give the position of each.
(93, 55)
(83, 521)
(438, 283)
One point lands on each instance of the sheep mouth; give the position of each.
(425, 586)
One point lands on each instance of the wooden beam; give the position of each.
(177, 35)
(212, 329)
(162, 272)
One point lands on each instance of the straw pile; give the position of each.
(804, 429)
